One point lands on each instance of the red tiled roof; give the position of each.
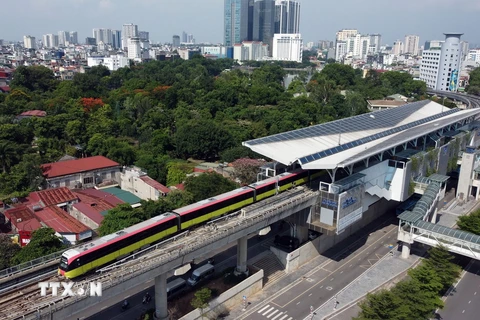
(52, 196)
(180, 186)
(63, 168)
(89, 211)
(98, 196)
(34, 113)
(29, 221)
(60, 221)
(155, 184)
(5, 88)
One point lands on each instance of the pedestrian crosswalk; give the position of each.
(273, 314)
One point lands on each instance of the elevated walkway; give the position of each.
(415, 227)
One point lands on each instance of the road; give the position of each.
(111, 309)
(293, 302)
(464, 301)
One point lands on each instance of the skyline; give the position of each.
(164, 18)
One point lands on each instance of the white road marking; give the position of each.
(310, 295)
(271, 314)
(351, 265)
(341, 272)
(321, 287)
(103, 308)
(283, 317)
(298, 303)
(260, 311)
(463, 311)
(332, 279)
(268, 311)
(475, 293)
(469, 301)
(278, 315)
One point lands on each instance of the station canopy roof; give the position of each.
(346, 141)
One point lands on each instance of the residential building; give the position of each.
(187, 53)
(137, 182)
(48, 208)
(29, 42)
(184, 37)
(287, 47)
(398, 48)
(411, 44)
(340, 50)
(80, 173)
(92, 206)
(50, 41)
(440, 67)
(287, 16)
(63, 38)
(474, 55)
(73, 37)
(176, 41)
(115, 62)
(190, 39)
(31, 114)
(90, 41)
(432, 44)
(134, 48)
(344, 34)
(129, 30)
(250, 50)
(236, 21)
(264, 22)
(465, 49)
(103, 36)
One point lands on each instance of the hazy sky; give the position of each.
(320, 19)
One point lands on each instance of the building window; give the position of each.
(88, 180)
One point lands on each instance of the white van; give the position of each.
(175, 287)
(202, 273)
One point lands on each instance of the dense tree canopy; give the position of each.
(474, 82)
(43, 242)
(469, 223)
(156, 113)
(417, 296)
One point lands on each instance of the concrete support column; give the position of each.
(242, 255)
(301, 233)
(406, 250)
(161, 311)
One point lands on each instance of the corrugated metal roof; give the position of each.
(123, 195)
(63, 168)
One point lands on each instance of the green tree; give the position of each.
(470, 223)
(177, 172)
(8, 250)
(34, 78)
(7, 154)
(383, 305)
(120, 217)
(440, 261)
(208, 185)
(201, 299)
(43, 242)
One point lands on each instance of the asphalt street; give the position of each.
(324, 281)
(463, 303)
(111, 308)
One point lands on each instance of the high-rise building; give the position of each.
(50, 40)
(287, 47)
(375, 42)
(344, 34)
(73, 37)
(134, 48)
(129, 30)
(411, 44)
(63, 38)
(397, 48)
(1, 42)
(237, 21)
(190, 38)
(473, 55)
(103, 35)
(264, 21)
(432, 44)
(29, 42)
(117, 39)
(184, 37)
(465, 49)
(287, 16)
(440, 67)
(144, 35)
(176, 41)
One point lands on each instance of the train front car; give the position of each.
(66, 263)
(214, 207)
(102, 251)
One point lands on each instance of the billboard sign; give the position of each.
(454, 80)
